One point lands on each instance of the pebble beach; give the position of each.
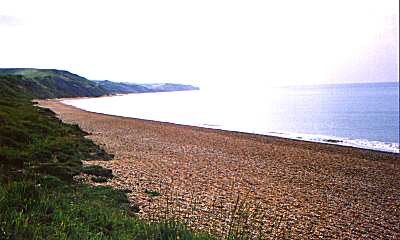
(220, 181)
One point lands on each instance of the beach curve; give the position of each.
(307, 189)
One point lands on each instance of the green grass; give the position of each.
(98, 171)
(48, 83)
(152, 193)
(34, 141)
(49, 209)
(99, 179)
(34, 73)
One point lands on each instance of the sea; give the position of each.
(362, 115)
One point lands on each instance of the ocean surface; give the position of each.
(359, 115)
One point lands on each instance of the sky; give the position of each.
(206, 43)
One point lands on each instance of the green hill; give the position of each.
(49, 83)
(119, 87)
(52, 83)
(32, 139)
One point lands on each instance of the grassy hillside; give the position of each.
(40, 155)
(114, 87)
(49, 83)
(33, 140)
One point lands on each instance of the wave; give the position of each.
(341, 141)
(358, 143)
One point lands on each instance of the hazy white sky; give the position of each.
(205, 42)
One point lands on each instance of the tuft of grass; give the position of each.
(99, 179)
(97, 171)
(152, 193)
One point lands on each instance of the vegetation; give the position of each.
(98, 171)
(152, 193)
(33, 141)
(52, 83)
(54, 210)
(40, 155)
(49, 83)
(120, 87)
(99, 179)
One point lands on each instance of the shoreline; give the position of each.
(113, 95)
(326, 140)
(373, 145)
(313, 189)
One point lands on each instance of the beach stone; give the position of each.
(267, 187)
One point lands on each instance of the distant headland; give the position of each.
(53, 83)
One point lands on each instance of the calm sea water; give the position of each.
(359, 115)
